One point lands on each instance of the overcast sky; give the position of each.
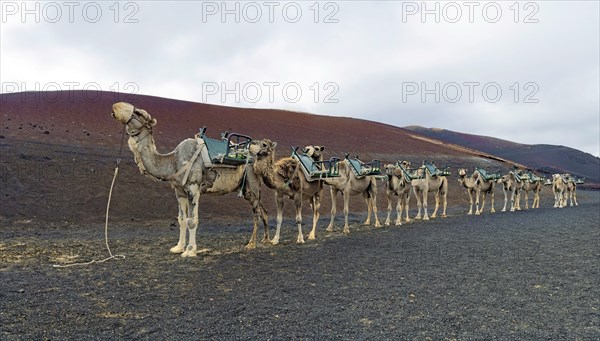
(527, 72)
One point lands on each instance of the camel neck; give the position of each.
(467, 181)
(149, 161)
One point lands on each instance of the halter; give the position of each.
(145, 123)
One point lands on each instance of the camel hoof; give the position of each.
(346, 231)
(433, 216)
(503, 210)
(250, 246)
(300, 240)
(311, 236)
(443, 215)
(378, 225)
(190, 252)
(398, 223)
(427, 218)
(408, 221)
(470, 213)
(177, 249)
(329, 229)
(275, 241)
(266, 241)
(493, 211)
(477, 213)
(387, 223)
(418, 218)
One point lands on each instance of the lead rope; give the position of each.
(111, 256)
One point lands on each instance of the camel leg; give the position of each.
(536, 199)
(279, 202)
(406, 199)
(477, 194)
(265, 221)
(512, 201)
(316, 205)
(182, 219)
(298, 202)
(526, 199)
(369, 208)
(444, 197)
(470, 202)
(493, 210)
(482, 202)
(419, 203)
(505, 200)
(333, 192)
(390, 197)
(257, 210)
(437, 204)
(575, 197)
(425, 215)
(346, 197)
(399, 207)
(192, 221)
(373, 197)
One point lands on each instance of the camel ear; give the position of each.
(153, 122)
(322, 148)
(274, 144)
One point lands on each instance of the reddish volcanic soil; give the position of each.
(57, 157)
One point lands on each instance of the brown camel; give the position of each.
(188, 173)
(350, 184)
(571, 190)
(286, 178)
(398, 184)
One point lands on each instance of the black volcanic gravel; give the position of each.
(524, 275)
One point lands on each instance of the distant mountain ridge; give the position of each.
(539, 157)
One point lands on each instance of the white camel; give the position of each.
(470, 183)
(511, 183)
(425, 183)
(351, 184)
(186, 171)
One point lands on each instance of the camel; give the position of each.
(286, 178)
(511, 183)
(349, 184)
(188, 175)
(470, 183)
(532, 184)
(559, 187)
(425, 183)
(571, 191)
(397, 185)
(485, 185)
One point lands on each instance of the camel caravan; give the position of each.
(237, 163)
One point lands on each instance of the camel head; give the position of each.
(405, 164)
(264, 147)
(133, 118)
(315, 152)
(462, 172)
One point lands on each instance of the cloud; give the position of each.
(347, 58)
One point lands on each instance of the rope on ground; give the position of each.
(111, 256)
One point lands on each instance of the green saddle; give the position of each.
(434, 171)
(488, 176)
(409, 174)
(317, 169)
(231, 149)
(362, 169)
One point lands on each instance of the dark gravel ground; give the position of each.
(525, 275)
